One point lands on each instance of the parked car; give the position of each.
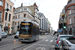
(58, 40)
(46, 33)
(4, 34)
(68, 44)
(16, 35)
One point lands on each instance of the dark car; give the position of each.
(58, 40)
(68, 44)
(16, 35)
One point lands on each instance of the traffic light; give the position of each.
(11, 28)
(64, 27)
(61, 25)
(63, 16)
(8, 26)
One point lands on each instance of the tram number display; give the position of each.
(25, 24)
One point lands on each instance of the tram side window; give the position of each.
(34, 30)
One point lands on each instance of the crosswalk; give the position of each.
(48, 40)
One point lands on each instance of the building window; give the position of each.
(1, 3)
(18, 16)
(6, 5)
(24, 15)
(70, 21)
(74, 19)
(6, 16)
(10, 7)
(9, 17)
(15, 23)
(18, 23)
(69, 1)
(25, 8)
(70, 11)
(0, 16)
(15, 17)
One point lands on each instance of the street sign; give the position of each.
(59, 30)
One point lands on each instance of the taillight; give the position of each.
(58, 40)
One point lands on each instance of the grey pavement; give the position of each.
(46, 42)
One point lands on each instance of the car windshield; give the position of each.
(64, 37)
(71, 39)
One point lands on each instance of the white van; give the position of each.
(0, 33)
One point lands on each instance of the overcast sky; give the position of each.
(50, 8)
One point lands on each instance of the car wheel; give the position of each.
(5, 37)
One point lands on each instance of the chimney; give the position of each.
(21, 4)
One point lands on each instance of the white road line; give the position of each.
(43, 45)
(31, 45)
(46, 40)
(46, 45)
(51, 40)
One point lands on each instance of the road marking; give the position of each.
(32, 45)
(43, 45)
(46, 45)
(51, 40)
(40, 48)
(46, 40)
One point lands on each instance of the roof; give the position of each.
(65, 35)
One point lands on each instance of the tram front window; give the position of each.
(25, 30)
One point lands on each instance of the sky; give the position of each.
(50, 8)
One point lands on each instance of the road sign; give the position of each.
(59, 30)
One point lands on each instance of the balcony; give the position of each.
(23, 10)
(38, 21)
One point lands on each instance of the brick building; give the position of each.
(2, 6)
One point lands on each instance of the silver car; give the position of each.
(68, 44)
(4, 34)
(58, 40)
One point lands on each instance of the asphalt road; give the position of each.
(46, 42)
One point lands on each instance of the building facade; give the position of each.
(2, 7)
(70, 17)
(35, 11)
(6, 13)
(7, 25)
(44, 24)
(22, 13)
